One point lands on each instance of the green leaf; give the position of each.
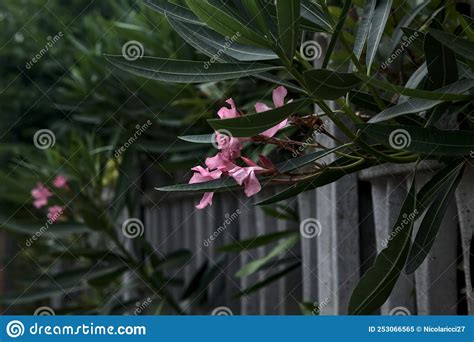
(297, 162)
(441, 63)
(377, 26)
(217, 46)
(404, 22)
(366, 100)
(338, 29)
(255, 265)
(425, 141)
(269, 280)
(413, 106)
(43, 228)
(288, 16)
(212, 13)
(256, 12)
(175, 11)
(330, 85)
(377, 283)
(415, 80)
(261, 240)
(181, 71)
(198, 139)
(459, 45)
(216, 185)
(429, 227)
(422, 94)
(315, 14)
(251, 125)
(363, 29)
(325, 177)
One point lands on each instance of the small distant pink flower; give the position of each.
(246, 176)
(55, 212)
(203, 175)
(40, 195)
(60, 182)
(279, 95)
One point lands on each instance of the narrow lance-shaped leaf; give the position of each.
(441, 63)
(216, 17)
(377, 283)
(458, 44)
(173, 10)
(426, 235)
(288, 15)
(330, 85)
(418, 105)
(363, 30)
(251, 125)
(180, 71)
(377, 27)
(426, 141)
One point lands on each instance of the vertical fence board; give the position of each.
(436, 278)
(465, 203)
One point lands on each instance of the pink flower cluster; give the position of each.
(224, 162)
(41, 195)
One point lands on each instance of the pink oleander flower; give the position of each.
(60, 182)
(247, 176)
(229, 113)
(40, 195)
(278, 95)
(55, 212)
(203, 175)
(229, 146)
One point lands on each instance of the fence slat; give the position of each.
(436, 278)
(309, 248)
(465, 203)
(388, 195)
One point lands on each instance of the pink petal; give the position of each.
(261, 107)
(239, 174)
(206, 200)
(265, 162)
(272, 131)
(60, 182)
(55, 212)
(228, 113)
(279, 96)
(39, 203)
(252, 185)
(249, 162)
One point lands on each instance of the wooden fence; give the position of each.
(354, 218)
